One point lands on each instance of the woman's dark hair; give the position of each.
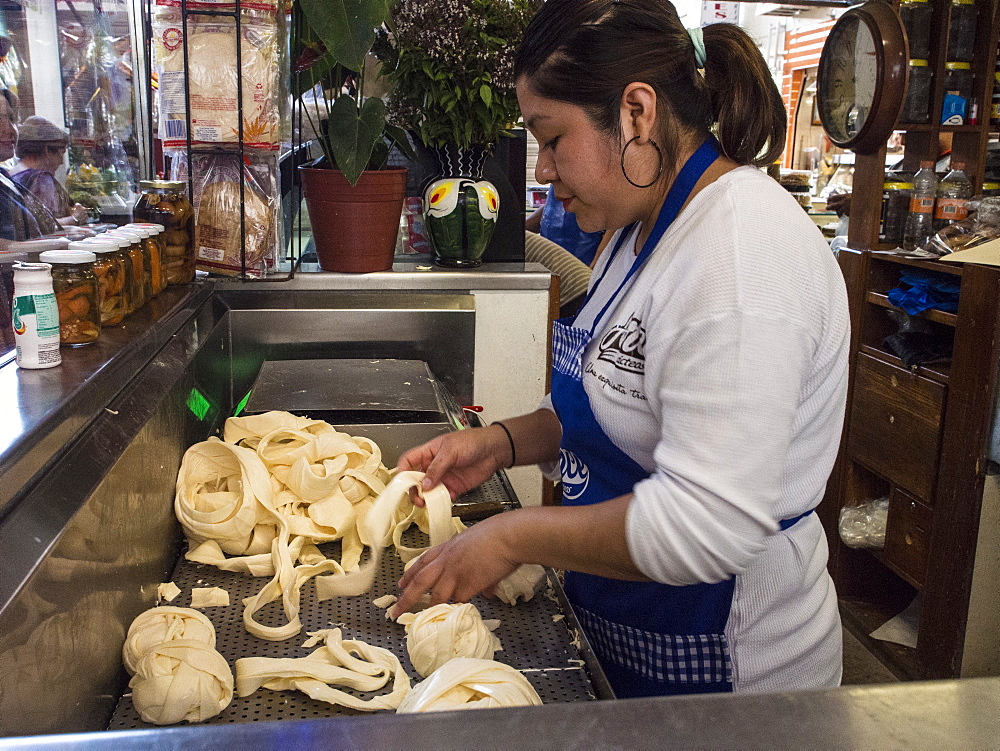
(585, 52)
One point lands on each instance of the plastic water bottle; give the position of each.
(35, 316)
(953, 192)
(920, 221)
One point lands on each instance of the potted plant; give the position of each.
(354, 200)
(450, 65)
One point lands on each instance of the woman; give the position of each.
(41, 149)
(22, 217)
(698, 397)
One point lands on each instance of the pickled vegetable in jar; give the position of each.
(165, 202)
(157, 251)
(148, 254)
(143, 285)
(962, 30)
(109, 268)
(128, 288)
(77, 296)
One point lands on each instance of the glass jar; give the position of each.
(150, 258)
(109, 268)
(142, 282)
(165, 202)
(896, 192)
(957, 92)
(75, 286)
(991, 189)
(157, 250)
(917, 16)
(128, 284)
(917, 104)
(962, 30)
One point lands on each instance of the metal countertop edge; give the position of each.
(931, 715)
(411, 276)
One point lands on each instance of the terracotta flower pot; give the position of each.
(354, 227)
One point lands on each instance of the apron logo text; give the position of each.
(575, 475)
(625, 347)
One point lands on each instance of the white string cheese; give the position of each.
(442, 632)
(470, 683)
(180, 680)
(342, 662)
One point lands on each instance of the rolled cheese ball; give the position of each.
(166, 623)
(443, 632)
(181, 680)
(469, 683)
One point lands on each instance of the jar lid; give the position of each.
(958, 66)
(168, 184)
(128, 234)
(140, 231)
(916, 63)
(991, 186)
(897, 186)
(36, 268)
(104, 237)
(67, 256)
(963, 2)
(156, 228)
(95, 245)
(907, 2)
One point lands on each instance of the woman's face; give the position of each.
(54, 157)
(579, 160)
(8, 132)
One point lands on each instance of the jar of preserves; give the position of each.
(962, 30)
(35, 317)
(916, 16)
(109, 268)
(896, 191)
(154, 250)
(917, 104)
(165, 202)
(128, 284)
(143, 284)
(75, 286)
(957, 92)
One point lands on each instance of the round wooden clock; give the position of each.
(862, 77)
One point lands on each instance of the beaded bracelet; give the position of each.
(513, 453)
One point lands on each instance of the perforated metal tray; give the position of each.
(536, 636)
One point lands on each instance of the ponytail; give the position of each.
(749, 116)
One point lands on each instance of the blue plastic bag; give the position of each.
(926, 290)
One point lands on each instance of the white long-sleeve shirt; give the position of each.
(723, 372)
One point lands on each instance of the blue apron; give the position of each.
(652, 639)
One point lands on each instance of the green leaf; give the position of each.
(353, 134)
(398, 136)
(346, 27)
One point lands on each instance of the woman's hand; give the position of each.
(461, 460)
(472, 562)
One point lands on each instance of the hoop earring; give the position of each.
(659, 169)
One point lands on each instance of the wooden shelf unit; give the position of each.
(920, 436)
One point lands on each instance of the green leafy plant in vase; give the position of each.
(451, 70)
(354, 198)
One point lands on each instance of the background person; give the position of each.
(698, 397)
(41, 149)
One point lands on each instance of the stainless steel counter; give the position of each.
(414, 276)
(933, 715)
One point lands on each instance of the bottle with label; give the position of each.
(919, 222)
(954, 190)
(35, 316)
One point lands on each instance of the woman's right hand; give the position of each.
(461, 460)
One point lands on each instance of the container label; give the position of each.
(36, 330)
(951, 209)
(921, 205)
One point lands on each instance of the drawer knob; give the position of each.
(909, 540)
(892, 419)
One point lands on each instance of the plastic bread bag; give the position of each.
(864, 526)
(219, 208)
(982, 225)
(213, 77)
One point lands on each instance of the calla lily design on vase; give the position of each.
(460, 215)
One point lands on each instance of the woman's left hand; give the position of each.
(472, 562)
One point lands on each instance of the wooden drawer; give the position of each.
(908, 537)
(895, 424)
